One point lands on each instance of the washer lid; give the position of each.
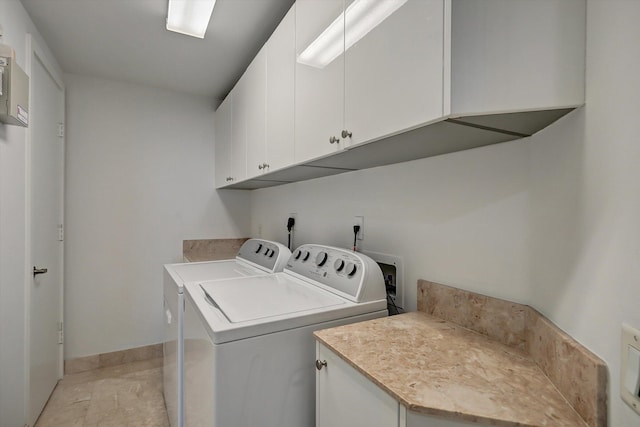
(264, 297)
(212, 270)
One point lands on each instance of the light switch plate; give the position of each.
(630, 367)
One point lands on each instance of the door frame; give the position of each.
(35, 52)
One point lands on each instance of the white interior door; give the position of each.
(47, 177)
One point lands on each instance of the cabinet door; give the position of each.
(241, 98)
(319, 89)
(393, 70)
(345, 398)
(281, 60)
(255, 83)
(223, 142)
(413, 419)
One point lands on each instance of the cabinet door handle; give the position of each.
(229, 179)
(333, 140)
(320, 364)
(263, 166)
(346, 134)
(260, 167)
(37, 271)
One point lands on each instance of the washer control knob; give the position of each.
(297, 254)
(266, 251)
(321, 258)
(259, 247)
(338, 265)
(305, 255)
(272, 253)
(351, 269)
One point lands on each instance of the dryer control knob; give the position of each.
(321, 258)
(305, 255)
(259, 247)
(351, 269)
(297, 254)
(272, 253)
(338, 265)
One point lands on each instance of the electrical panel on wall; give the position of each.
(14, 90)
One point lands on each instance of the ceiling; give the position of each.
(126, 40)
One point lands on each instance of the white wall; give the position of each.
(139, 180)
(585, 199)
(553, 220)
(458, 219)
(13, 222)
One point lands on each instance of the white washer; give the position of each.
(255, 257)
(249, 350)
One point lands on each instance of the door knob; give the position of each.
(37, 271)
(320, 364)
(346, 134)
(333, 140)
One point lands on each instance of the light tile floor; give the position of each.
(126, 395)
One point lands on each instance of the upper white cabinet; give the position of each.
(353, 84)
(280, 94)
(241, 97)
(509, 56)
(319, 81)
(254, 82)
(260, 138)
(389, 77)
(223, 142)
(393, 73)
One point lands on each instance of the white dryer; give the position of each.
(249, 350)
(255, 257)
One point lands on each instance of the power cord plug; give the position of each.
(356, 230)
(290, 223)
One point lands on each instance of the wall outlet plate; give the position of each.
(630, 367)
(359, 220)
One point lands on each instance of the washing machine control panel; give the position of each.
(342, 271)
(270, 255)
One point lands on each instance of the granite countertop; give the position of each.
(439, 368)
(211, 249)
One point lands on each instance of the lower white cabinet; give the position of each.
(346, 398)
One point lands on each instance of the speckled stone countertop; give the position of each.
(211, 249)
(439, 368)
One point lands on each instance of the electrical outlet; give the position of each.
(359, 220)
(294, 215)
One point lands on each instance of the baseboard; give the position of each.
(104, 360)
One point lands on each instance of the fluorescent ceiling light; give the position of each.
(360, 17)
(190, 17)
